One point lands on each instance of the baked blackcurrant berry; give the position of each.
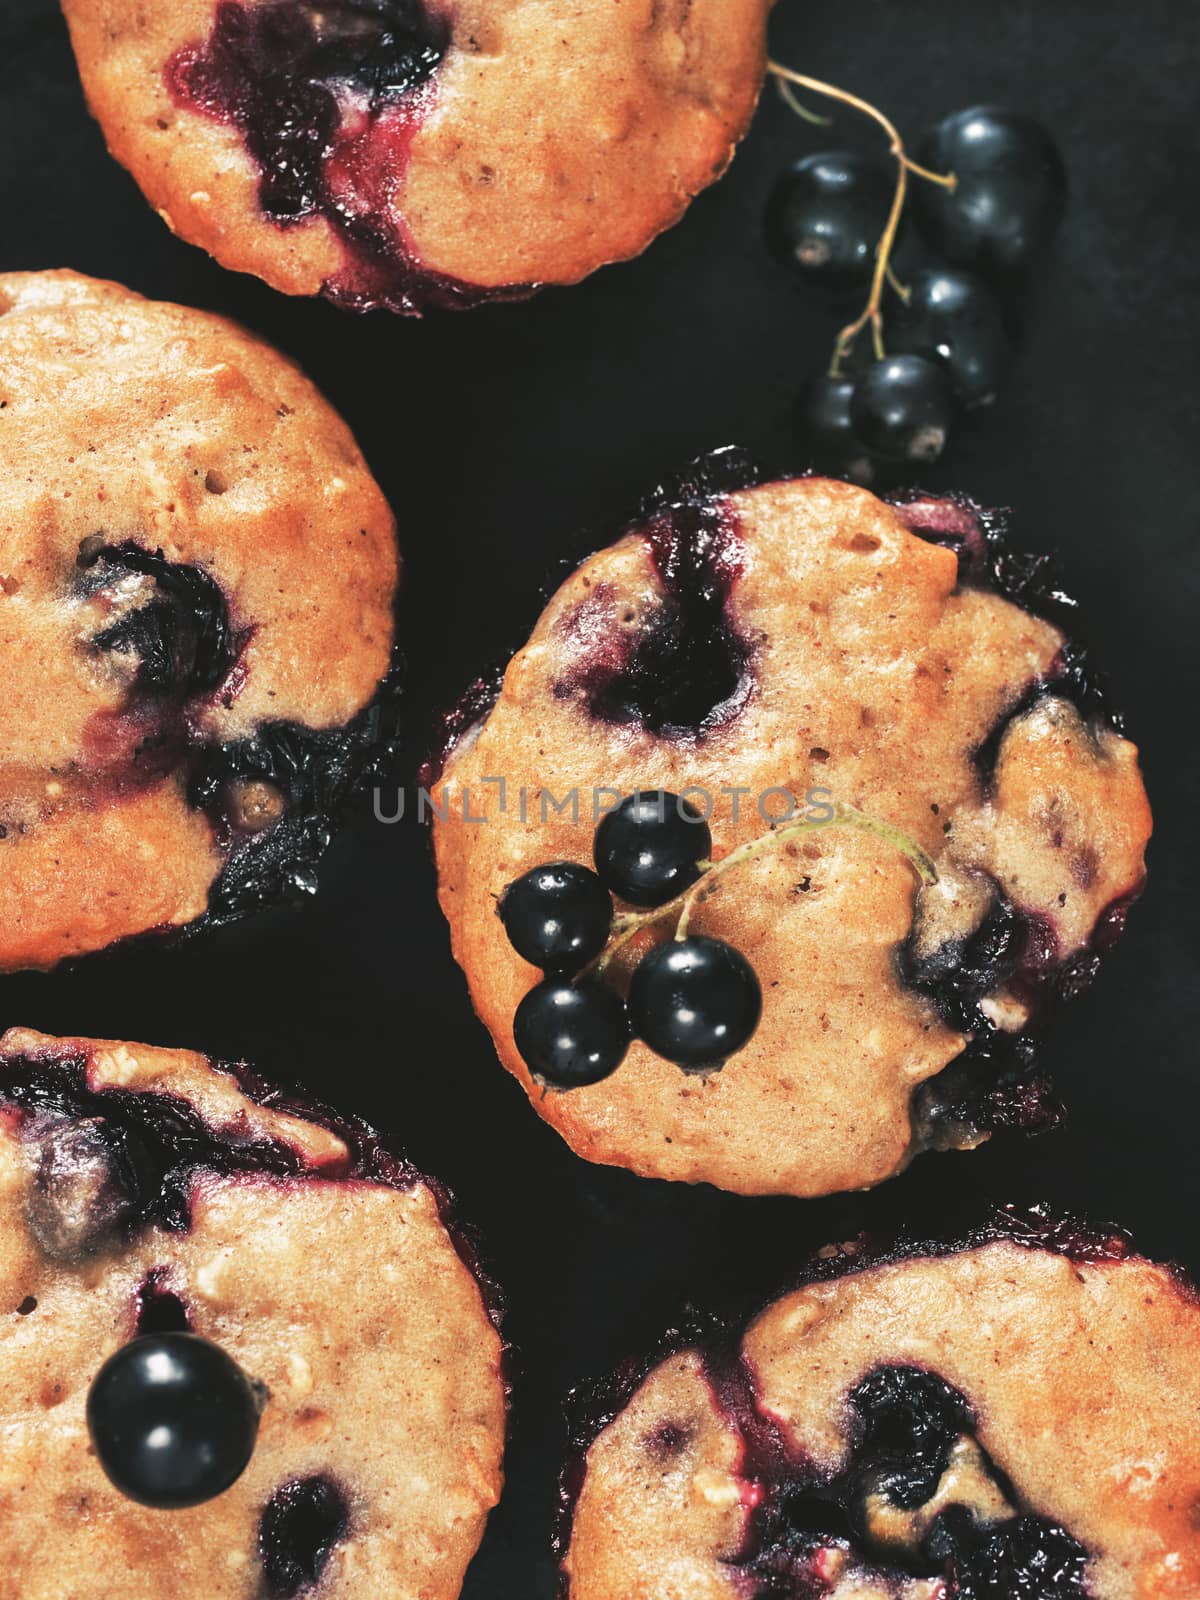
(558, 916)
(1010, 191)
(825, 216)
(173, 1420)
(648, 848)
(826, 430)
(571, 1034)
(903, 407)
(953, 317)
(695, 1001)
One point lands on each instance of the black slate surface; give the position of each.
(507, 439)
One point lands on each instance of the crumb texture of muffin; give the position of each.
(747, 648)
(143, 1189)
(415, 152)
(197, 574)
(1008, 1418)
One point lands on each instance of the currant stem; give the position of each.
(844, 816)
(872, 313)
(793, 102)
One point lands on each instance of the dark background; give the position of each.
(502, 437)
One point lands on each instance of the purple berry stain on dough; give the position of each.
(327, 99)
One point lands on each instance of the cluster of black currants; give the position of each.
(989, 190)
(692, 999)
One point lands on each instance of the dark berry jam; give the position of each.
(303, 779)
(182, 639)
(275, 798)
(686, 670)
(327, 99)
(302, 1524)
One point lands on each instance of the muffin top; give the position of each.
(145, 1189)
(405, 152)
(186, 529)
(1014, 1417)
(800, 640)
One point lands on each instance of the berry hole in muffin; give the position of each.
(28, 1306)
(682, 669)
(159, 1308)
(303, 1523)
(175, 627)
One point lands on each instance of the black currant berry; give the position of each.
(953, 317)
(649, 848)
(903, 407)
(695, 1001)
(1011, 189)
(558, 916)
(571, 1034)
(825, 216)
(173, 1420)
(826, 430)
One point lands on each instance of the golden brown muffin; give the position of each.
(196, 581)
(421, 152)
(782, 640)
(1012, 1418)
(142, 1189)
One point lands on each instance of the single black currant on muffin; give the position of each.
(557, 916)
(1010, 189)
(903, 407)
(695, 1001)
(825, 216)
(826, 428)
(952, 317)
(649, 848)
(173, 1420)
(572, 1034)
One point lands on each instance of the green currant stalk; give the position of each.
(872, 313)
(844, 816)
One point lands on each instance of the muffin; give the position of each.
(145, 1192)
(186, 528)
(802, 648)
(413, 153)
(1013, 1417)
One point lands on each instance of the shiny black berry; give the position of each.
(1010, 195)
(558, 916)
(825, 216)
(953, 317)
(173, 1420)
(571, 1034)
(649, 848)
(695, 1001)
(903, 407)
(827, 431)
